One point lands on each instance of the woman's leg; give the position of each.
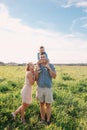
(18, 110)
(22, 110)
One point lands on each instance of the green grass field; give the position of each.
(69, 109)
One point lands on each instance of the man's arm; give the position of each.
(52, 73)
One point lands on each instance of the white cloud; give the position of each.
(69, 3)
(20, 43)
(77, 25)
(82, 4)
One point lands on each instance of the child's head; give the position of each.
(42, 49)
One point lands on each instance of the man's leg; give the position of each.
(42, 110)
(48, 111)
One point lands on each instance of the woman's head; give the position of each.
(29, 66)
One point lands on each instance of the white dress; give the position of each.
(26, 91)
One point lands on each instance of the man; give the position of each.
(44, 91)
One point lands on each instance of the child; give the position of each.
(41, 51)
(26, 92)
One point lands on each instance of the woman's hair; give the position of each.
(28, 66)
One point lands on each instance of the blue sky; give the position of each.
(59, 25)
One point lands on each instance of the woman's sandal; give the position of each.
(13, 115)
(23, 120)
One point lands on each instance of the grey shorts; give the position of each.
(44, 95)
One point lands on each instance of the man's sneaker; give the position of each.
(48, 122)
(13, 115)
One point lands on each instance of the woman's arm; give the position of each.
(36, 74)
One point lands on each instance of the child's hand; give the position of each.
(39, 62)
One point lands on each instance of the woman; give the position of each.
(26, 92)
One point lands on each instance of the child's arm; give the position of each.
(46, 55)
(38, 56)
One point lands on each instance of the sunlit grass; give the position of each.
(69, 109)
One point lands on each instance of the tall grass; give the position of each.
(69, 109)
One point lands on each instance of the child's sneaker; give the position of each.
(39, 70)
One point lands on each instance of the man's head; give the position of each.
(43, 59)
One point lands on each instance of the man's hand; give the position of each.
(47, 66)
